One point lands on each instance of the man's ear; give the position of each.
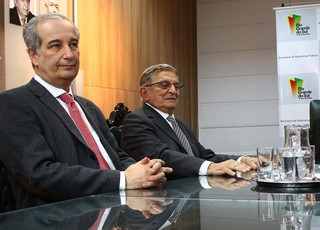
(33, 56)
(144, 94)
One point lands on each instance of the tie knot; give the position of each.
(171, 119)
(66, 98)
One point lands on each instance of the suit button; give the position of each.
(92, 157)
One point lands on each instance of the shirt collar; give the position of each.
(163, 114)
(56, 92)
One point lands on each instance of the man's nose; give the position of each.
(172, 88)
(67, 52)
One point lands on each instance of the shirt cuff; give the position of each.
(122, 185)
(203, 170)
(240, 158)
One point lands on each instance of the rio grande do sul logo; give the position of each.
(295, 25)
(297, 89)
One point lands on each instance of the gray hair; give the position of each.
(31, 34)
(147, 75)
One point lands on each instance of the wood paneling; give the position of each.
(121, 38)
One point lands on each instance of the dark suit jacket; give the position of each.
(146, 133)
(44, 152)
(14, 17)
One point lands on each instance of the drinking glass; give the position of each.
(289, 165)
(295, 164)
(265, 163)
(278, 173)
(305, 163)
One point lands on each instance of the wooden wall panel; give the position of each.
(120, 38)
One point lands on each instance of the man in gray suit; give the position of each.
(45, 153)
(148, 132)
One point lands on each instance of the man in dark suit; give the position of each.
(47, 155)
(20, 14)
(148, 132)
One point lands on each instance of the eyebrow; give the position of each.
(59, 40)
(54, 41)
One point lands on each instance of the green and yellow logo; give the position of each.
(295, 25)
(298, 90)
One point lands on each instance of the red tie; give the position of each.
(78, 120)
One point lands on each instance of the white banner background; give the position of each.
(298, 62)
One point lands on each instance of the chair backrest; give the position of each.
(314, 134)
(116, 131)
(7, 200)
(117, 115)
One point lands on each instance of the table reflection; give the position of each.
(143, 209)
(294, 211)
(231, 202)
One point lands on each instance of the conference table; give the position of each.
(228, 203)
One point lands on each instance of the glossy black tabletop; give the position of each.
(229, 203)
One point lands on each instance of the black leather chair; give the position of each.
(115, 120)
(117, 115)
(116, 131)
(7, 200)
(314, 134)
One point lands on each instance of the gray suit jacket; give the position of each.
(146, 133)
(44, 152)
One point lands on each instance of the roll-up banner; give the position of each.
(298, 35)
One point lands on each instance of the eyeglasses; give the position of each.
(166, 85)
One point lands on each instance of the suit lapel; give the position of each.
(52, 103)
(159, 121)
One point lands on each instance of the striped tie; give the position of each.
(183, 139)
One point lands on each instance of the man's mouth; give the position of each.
(67, 65)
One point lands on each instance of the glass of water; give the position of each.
(305, 163)
(296, 164)
(265, 163)
(281, 173)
